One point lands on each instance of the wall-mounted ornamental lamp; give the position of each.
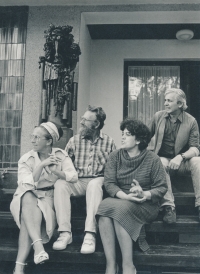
(184, 35)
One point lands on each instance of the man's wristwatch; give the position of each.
(183, 156)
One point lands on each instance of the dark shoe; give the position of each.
(170, 215)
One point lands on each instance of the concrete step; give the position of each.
(186, 230)
(185, 224)
(180, 255)
(181, 198)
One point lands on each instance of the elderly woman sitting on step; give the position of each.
(136, 181)
(32, 204)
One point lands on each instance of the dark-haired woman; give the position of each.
(135, 180)
(32, 204)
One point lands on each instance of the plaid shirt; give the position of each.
(89, 158)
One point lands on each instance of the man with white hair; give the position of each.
(177, 143)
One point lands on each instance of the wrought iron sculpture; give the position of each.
(58, 64)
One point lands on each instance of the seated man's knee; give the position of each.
(95, 185)
(61, 185)
(195, 161)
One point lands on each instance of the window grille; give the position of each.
(13, 27)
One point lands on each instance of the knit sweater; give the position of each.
(146, 168)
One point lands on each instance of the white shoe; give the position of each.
(89, 244)
(62, 241)
(41, 257)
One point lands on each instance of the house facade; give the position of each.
(100, 71)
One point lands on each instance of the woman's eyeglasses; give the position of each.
(36, 138)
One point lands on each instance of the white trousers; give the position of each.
(191, 167)
(89, 187)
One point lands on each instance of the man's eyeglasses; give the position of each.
(36, 138)
(83, 119)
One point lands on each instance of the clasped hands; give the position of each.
(136, 193)
(51, 163)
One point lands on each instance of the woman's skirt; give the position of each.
(45, 204)
(130, 215)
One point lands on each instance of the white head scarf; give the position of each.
(52, 129)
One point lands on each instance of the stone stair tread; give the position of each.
(181, 198)
(177, 255)
(8, 191)
(185, 223)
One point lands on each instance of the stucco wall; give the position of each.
(84, 71)
(106, 88)
(38, 21)
(103, 62)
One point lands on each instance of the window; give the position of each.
(13, 24)
(146, 88)
(146, 81)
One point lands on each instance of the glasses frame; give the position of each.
(84, 119)
(36, 138)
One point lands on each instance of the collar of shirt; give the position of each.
(53, 152)
(180, 117)
(100, 136)
(46, 172)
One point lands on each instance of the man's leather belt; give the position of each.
(46, 188)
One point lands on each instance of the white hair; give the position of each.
(180, 95)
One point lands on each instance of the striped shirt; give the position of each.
(89, 157)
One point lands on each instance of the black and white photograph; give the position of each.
(99, 137)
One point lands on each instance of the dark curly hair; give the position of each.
(137, 129)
